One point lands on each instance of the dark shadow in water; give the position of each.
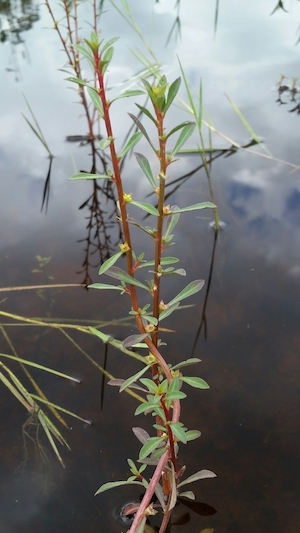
(17, 17)
(46, 191)
(289, 93)
(203, 322)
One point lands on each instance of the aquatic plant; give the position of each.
(160, 380)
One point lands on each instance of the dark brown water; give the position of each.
(244, 325)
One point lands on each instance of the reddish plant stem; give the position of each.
(150, 491)
(152, 343)
(160, 207)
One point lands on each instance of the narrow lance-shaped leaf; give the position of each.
(202, 474)
(80, 82)
(109, 43)
(179, 127)
(189, 495)
(178, 431)
(142, 129)
(173, 90)
(136, 137)
(197, 383)
(163, 261)
(147, 113)
(189, 290)
(117, 382)
(127, 94)
(172, 220)
(183, 137)
(145, 166)
(150, 446)
(134, 378)
(113, 484)
(146, 207)
(173, 497)
(105, 286)
(118, 273)
(94, 96)
(86, 176)
(85, 52)
(196, 207)
(105, 338)
(109, 262)
(188, 362)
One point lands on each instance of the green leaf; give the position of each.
(163, 261)
(189, 290)
(118, 273)
(104, 143)
(86, 176)
(142, 129)
(134, 378)
(105, 286)
(147, 113)
(192, 434)
(143, 407)
(151, 319)
(188, 362)
(150, 446)
(145, 166)
(172, 221)
(79, 82)
(113, 484)
(195, 207)
(202, 474)
(197, 383)
(136, 137)
(173, 90)
(127, 94)
(176, 395)
(85, 52)
(179, 127)
(178, 271)
(94, 96)
(146, 207)
(183, 137)
(189, 495)
(109, 43)
(109, 262)
(160, 412)
(178, 431)
(107, 56)
(151, 386)
(105, 338)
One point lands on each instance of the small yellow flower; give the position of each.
(162, 306)
(127, 198)
(124, 247)
(149, 328)
(167, 209)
